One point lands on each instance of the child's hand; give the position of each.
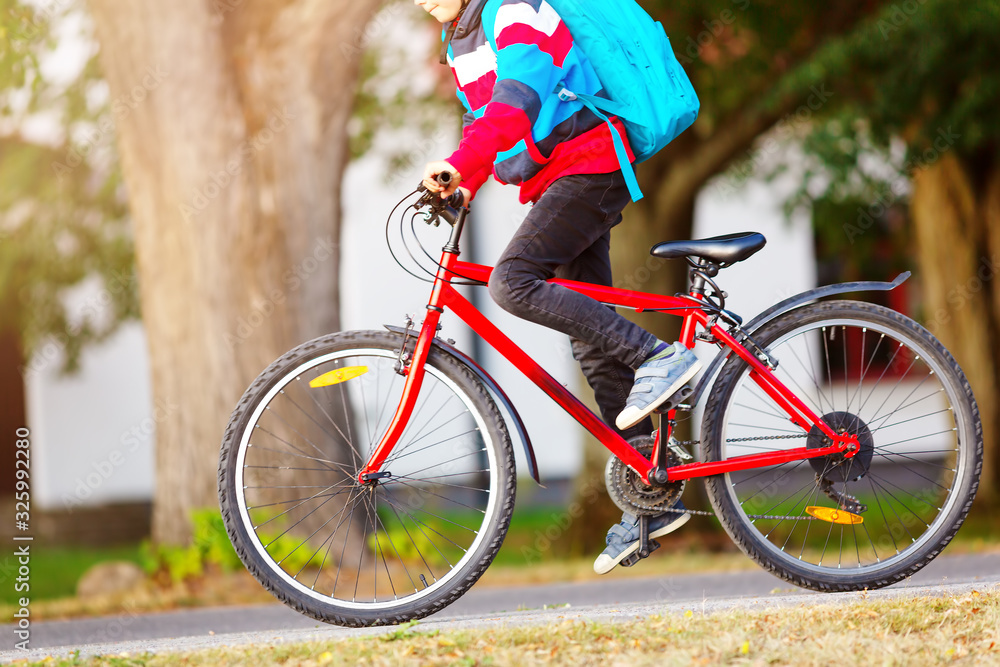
(432, 170)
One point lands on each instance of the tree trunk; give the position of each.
(957, 224)
(12, 413)
(231, 122)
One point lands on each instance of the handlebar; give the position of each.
(457, 200)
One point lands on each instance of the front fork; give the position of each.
(414, 371)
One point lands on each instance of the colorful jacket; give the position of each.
(508, 58)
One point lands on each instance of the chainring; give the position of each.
(628, 491)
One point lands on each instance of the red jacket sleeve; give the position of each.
(529, 64)
(474, 181)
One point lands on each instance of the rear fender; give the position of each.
(788, 305)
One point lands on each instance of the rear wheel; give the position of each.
(383, 552)
(832, 523)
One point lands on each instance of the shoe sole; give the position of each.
(628, 551)
(673, 389)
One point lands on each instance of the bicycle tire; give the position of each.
(323, 448)
(888, 474)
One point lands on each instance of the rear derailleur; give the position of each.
(845, 501)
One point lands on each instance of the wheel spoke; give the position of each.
(311, 443)
(355, 455)
(420, 525)
(301, 454)
(417, 451)
(820, 395)
(911, 419)
(872, 375)
(313, 497)
(368, 550)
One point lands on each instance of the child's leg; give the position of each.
(573, 214)
(610, 379)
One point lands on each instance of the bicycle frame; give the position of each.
(444, 295)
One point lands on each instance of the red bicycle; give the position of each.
(367, 477)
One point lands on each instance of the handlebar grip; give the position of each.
(456, 200)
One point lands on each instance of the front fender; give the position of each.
(497, 393)
(789, 304)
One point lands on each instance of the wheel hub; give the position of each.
(837, 467)
(630, 493)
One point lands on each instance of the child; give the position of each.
(508, 57)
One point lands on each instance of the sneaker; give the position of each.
(623, 538)
(656, 380)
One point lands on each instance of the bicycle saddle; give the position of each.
(724, 250)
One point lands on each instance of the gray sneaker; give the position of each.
(656, 381)
(623, 538)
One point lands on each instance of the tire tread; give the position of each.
(327, 613)
(718, 489)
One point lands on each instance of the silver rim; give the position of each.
(451, 432)
(909, 405)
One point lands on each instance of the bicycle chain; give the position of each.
(749, 516)
(753, 438)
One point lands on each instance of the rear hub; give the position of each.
(837, 467)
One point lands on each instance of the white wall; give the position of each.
(92, 432)
(785, 266)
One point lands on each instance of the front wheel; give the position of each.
(387, 551)
(834, 523)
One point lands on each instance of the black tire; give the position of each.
(922, 461)
(287, 437)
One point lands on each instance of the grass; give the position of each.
(56, 571)
(926, 631)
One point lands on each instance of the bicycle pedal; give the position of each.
(682, 394)
(635, 557)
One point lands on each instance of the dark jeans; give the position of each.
(567, 235)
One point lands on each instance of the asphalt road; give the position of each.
(616, 599)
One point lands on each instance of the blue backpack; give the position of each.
(649, 90)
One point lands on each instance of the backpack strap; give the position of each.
(449, 33)
(592, 102)
(446, 42)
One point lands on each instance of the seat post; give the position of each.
(697, 274)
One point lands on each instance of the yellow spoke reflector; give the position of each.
(831, 515)
(338, 376)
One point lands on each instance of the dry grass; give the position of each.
(906, 631)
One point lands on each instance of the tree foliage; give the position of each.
(63, 216)
(919, 81)
(915, 138)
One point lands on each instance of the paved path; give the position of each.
(619, 599)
